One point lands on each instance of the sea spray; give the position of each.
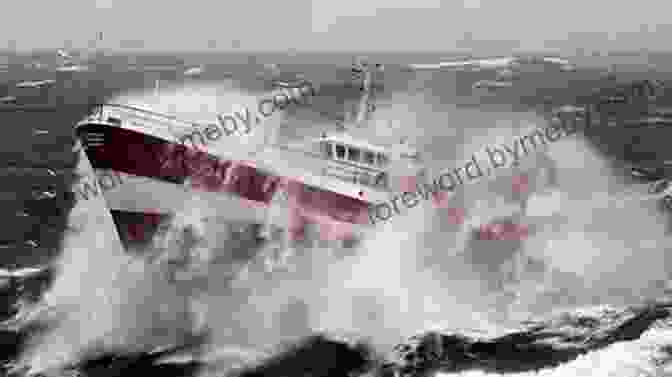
(410, 274)
(102, 299)
(106, 302)
(609, 236)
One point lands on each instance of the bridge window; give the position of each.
(382, 160)
(369, 158)
(354, 154)
(327, 150)
(340, 151)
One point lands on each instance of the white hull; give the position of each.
(149, 171)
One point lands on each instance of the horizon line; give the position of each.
(495, 51)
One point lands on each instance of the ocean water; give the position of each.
(415, 272)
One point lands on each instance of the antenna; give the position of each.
(98, 43)
(367, 89)
(363, 71)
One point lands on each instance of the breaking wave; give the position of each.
(213, 285)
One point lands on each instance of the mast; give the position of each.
(364, 100)
(362, 71)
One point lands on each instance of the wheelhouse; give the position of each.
(360, 156)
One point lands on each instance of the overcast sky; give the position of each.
(432, 25)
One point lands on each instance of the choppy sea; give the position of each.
(93, 311)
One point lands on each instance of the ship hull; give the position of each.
(147, 179)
